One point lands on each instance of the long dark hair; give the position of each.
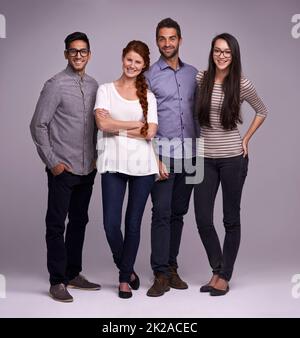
(142, 49)
(230, 112)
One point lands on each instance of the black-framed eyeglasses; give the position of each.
(226, 53)
(73, 52)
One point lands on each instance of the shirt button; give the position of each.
(181, 99)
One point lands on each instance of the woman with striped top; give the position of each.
(221, 91)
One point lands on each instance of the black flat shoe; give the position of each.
(125, 294)
(218, 292)
(135, 284)
(206, 288)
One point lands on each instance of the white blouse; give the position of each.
(118, 153)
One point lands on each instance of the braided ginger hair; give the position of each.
(142, 49)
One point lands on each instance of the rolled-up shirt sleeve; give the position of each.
(152, 109)
(102, 100)
(45, 109)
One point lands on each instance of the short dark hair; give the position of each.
(168, 23)
(76, 36)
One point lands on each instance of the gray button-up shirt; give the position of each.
(63, 126)
(175, 94)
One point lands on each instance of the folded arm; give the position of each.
(136, 132)
(106, 123)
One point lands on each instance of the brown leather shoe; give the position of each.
(80, 282)
(160, 285)
(175, 281)
(59, 292)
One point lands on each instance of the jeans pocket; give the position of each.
(61, 174)
(245, 161)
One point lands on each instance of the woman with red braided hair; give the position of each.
(126, 115)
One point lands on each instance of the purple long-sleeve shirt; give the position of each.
(175, 94)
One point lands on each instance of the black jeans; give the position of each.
(170, 199)
(68, 195)
(125, 249)
(231, 172)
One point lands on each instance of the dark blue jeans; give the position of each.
(170, 200)
(125, 249)
(231, 173)
(68, 195)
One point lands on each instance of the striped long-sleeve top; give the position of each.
(219, 142)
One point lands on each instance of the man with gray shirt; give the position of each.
(63, 130)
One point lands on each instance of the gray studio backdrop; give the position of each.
(32, 52)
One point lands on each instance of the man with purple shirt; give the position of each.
(173, 84)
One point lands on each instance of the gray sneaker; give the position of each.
(80, 282)
(60, 293)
